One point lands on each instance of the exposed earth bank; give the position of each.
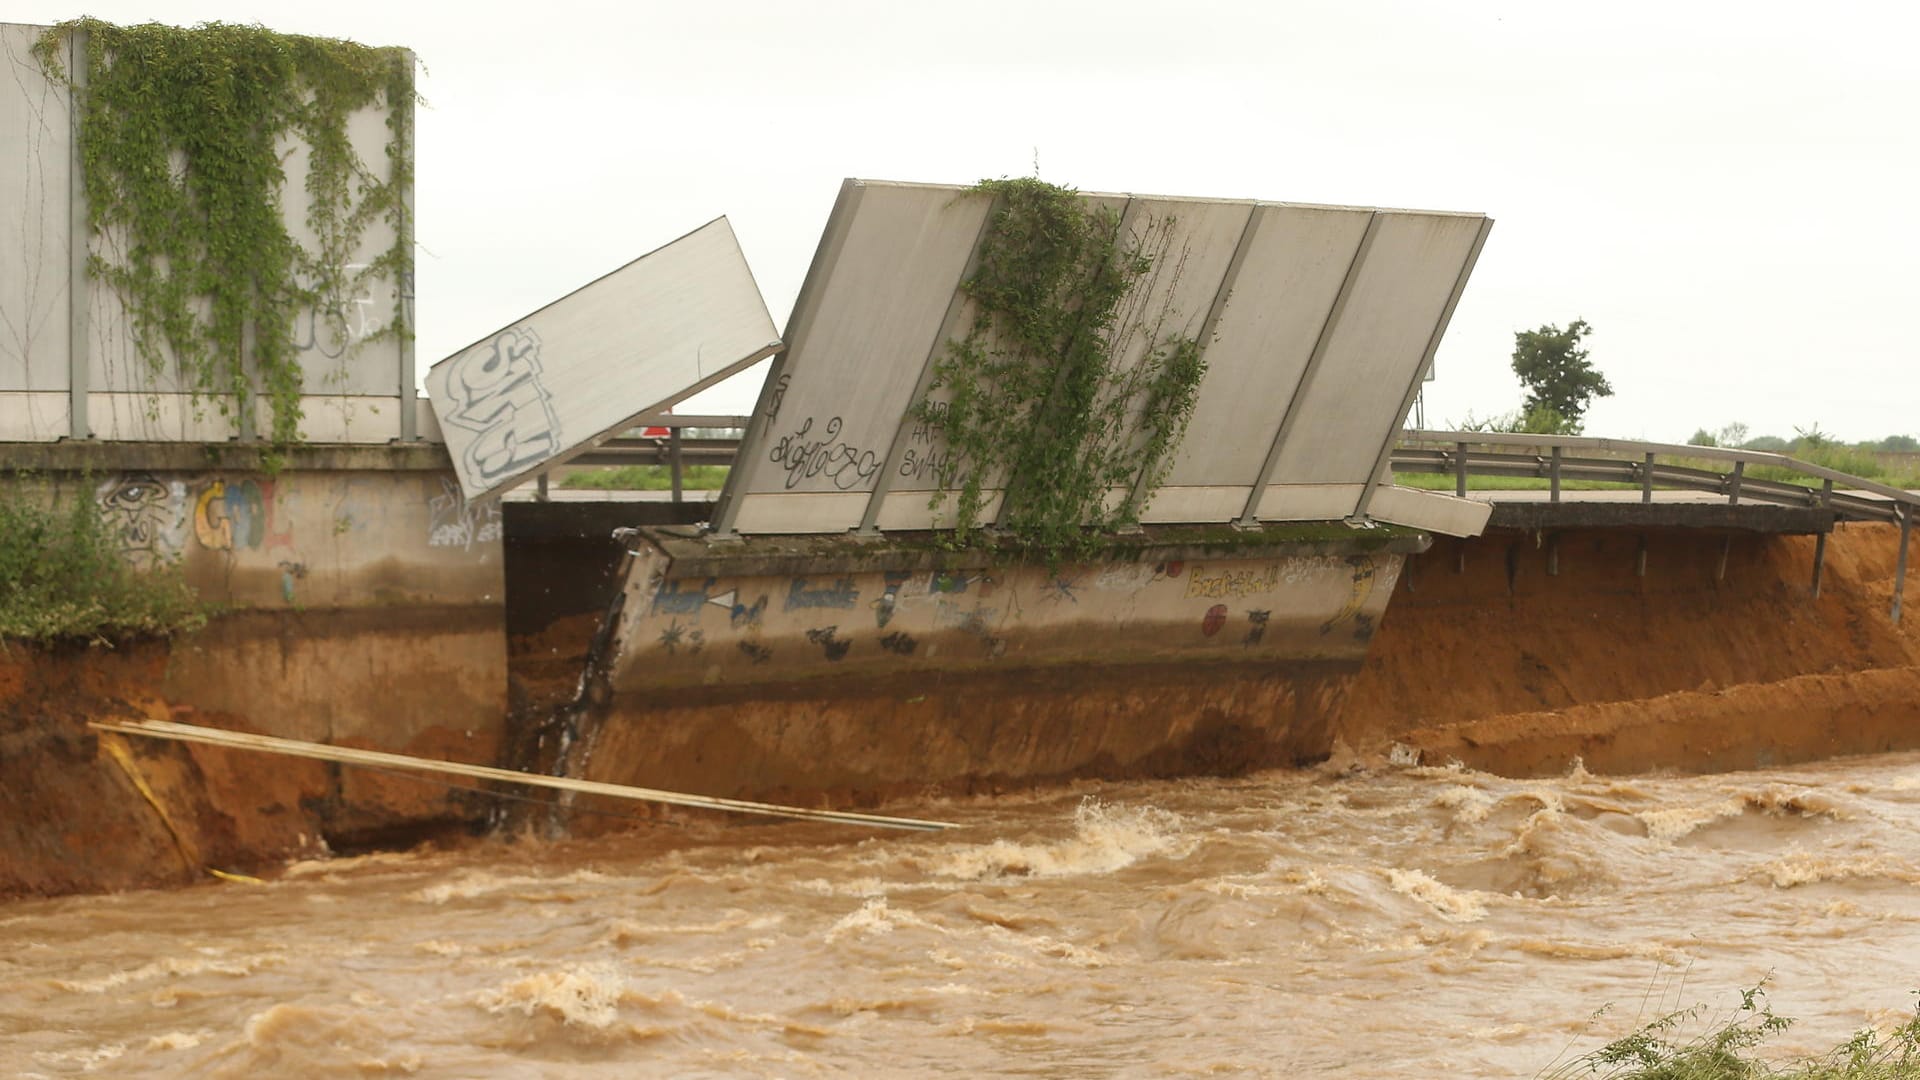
(1508, 668)
(1514, 653)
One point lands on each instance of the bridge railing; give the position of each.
(675, 450)
(1560, 458)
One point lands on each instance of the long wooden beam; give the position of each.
(346, 755)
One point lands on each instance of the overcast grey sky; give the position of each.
(1725, 191)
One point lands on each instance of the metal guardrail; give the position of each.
(1476, 453)
(1462, 454)
(1555, 458)
(674, 450)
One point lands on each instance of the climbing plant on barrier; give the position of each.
(183, 138)
(1034, 392)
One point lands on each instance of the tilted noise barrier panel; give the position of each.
(557, 382)
(1316, 325)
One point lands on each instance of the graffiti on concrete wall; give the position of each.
(889, 598)
(1361, 587)
(454, 521)
(841, 594)
(145, 516)
(495, 391)
(831, 645)
(229, 514)
(1228, 584)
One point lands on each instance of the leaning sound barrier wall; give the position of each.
(1318, 323)
(557, 382)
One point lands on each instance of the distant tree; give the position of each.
(1898, 444)
(1772, 444)
(1734, 434)
(1556, 372)
(1811, 438)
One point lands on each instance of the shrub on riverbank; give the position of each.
(1731, 1050)
(62, 576)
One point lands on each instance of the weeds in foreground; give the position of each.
(62, 575)
(1731, 1049)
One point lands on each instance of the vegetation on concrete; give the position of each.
(649, 478)
(1036, 390)
(1732, 1048)
(183, 138)
(62, 576)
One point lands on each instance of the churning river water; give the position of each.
(1372, 920)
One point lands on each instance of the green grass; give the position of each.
(62, 576)
(1445, 482)
(1731, 1048)
(649, 478)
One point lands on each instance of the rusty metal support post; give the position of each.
(673, 460)
(1726, 545)
(1553, 555)
(1900, 564)
(1640, 560)
(1460, 469)
(1553, 477)
(1819, 561)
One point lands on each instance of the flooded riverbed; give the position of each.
(1375, 920)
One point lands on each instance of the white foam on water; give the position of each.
(1807, 868)
(1106, 838)
(875, 917)
(1667, 824)
(585, 996)
(1453, 905)
(172, 965)
(89, 1059)
(177, 1040)
(472, 884)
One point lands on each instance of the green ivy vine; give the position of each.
(1033, 392)
(183, 138)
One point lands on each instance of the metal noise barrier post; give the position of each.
(238, 740)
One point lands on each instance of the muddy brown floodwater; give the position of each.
(1365, 919)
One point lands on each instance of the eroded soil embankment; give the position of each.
(85, 811)
(1506, 667)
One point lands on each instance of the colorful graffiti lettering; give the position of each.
(1227, 584)
(682, 597)
(841, 594)
(230, 514)
(1362, 587)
